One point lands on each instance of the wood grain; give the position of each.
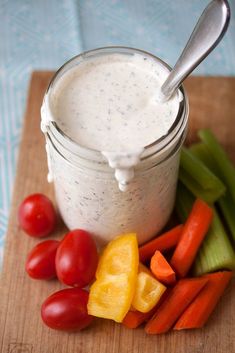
(21, 330)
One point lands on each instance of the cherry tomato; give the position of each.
(40, 263)
(66, 310)
(37, 215)
(76, 259)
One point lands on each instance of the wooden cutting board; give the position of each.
(21, 330)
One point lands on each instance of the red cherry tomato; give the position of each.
(76, 259)
(40, 263)
(37, 215)
(66, 310)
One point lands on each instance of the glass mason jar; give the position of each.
(86, 190)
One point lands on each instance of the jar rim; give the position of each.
(90, 153)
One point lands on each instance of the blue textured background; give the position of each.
(44, 34)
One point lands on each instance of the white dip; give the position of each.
(109, 104)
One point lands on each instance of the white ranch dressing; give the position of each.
(124, 164)
(109, 104)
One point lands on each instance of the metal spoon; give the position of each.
(207, 33)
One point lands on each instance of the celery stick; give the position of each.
(227, 207)
(198, 178)
(200, 151)
(224, 165)
(184, 202)
(225, 202)
(209, 196)
(197, 169)
(216, 252)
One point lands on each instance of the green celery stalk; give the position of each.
(208, 196)
(200, 151)
(227, 207)
(223, 163)
(184, 202)
(216, 252)
(225, 202)
(198, 178)
(204, 177)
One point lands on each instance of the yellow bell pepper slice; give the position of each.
(141, 268)
(148, 292)
(112, 293)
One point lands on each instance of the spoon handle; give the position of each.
(207, 33)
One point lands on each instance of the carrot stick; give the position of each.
(134, 319)
(161, 269)
(198, 312)
(174, 305)
(194, 231)
(163, 242)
